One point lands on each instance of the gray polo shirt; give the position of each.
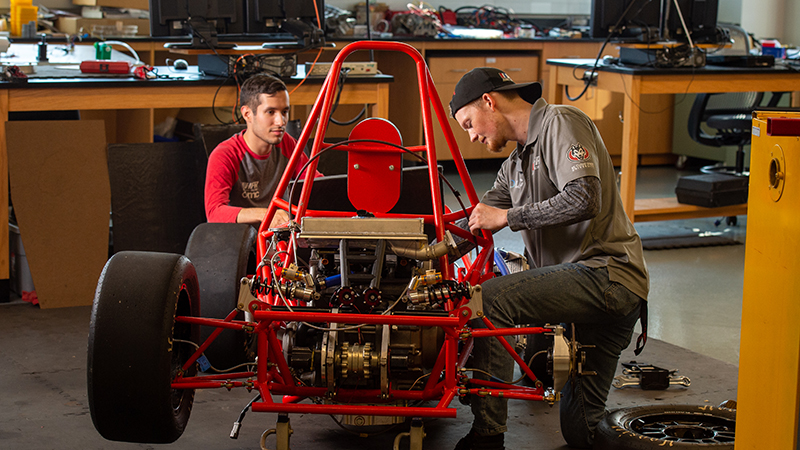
(564, 145)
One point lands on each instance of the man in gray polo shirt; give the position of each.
(558, 189)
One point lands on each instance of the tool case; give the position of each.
(712, 189)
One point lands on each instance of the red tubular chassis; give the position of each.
(366, 374)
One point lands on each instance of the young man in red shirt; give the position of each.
(244, 171)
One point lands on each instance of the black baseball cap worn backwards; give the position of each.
(481, 80)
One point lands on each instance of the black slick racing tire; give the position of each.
(222, 253)
(667, 426)
(135, 350)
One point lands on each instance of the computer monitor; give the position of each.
(209, 23)
(204, 21)
(641, 20)
(700, 17)
(303, 19)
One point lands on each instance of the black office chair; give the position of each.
(212, 135)
(729, 117)
(156, 194)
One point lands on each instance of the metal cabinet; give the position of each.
(769, 361)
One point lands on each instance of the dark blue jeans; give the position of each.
(604, 314)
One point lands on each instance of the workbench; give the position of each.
(128, 106)
(637, 83)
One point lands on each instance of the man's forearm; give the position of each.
(580, 200)
(253, 216)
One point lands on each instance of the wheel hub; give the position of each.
(688, 431)
(685, 429)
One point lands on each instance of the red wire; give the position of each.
(308, 72)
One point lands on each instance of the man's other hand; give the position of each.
(485, 217)
(280, 218)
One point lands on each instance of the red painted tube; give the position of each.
(499, 385)
(448, 397)
(437, 369)
(208, 384)
(192, 359)
(221, 376)
(219, 323)
(451, 352)
(522, 365)
(263, 351)
(424, 321)
(504, 394)
(305, 408)
(355, 395)
(483, 332)
(276, 356)
(458, 159)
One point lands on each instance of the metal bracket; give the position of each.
(648, 377)
(246, 297)
(415, 435)
(282, 431)
(475, 303)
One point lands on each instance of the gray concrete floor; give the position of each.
(695, 308)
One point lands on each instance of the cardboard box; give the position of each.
(136, 4)
(73, 25)
(61, 202)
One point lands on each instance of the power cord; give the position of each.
(614, 30)
(340, 87)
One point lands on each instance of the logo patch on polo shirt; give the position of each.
(577, 152)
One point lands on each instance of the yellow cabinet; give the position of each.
(769, 361)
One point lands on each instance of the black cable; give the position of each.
(684, 95)
(340, 87)
(614, 29)
(214, 101)
(237, 425)
(351, 121)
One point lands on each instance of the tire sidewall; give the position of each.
(131, 344)
(615, 431)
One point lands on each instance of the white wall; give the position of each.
(763, 18)
(791, 32)
(776, 19)
(730, 11)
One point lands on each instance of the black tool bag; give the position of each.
(712, 190)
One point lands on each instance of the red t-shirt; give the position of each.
(237, 178)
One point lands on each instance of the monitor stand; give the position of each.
(199, 44)
(282, 45)
(191, 46)
(204, 37)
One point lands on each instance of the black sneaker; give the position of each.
(474, 442)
